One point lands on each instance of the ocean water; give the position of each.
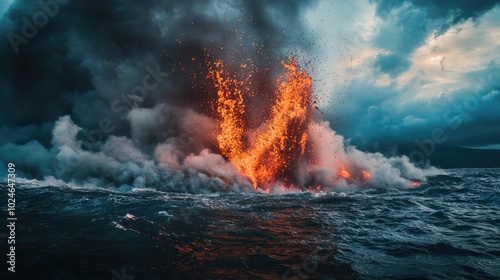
(448, 228)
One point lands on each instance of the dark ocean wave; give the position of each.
(445, 229)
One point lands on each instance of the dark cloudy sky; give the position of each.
(386, 73)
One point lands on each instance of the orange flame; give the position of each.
(280, 141)
(366, 176)
(344, 173)
(363, 176)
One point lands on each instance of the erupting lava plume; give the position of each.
(271, 151)
(288, 147)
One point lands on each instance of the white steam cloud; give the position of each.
(184, 160)
(332, 155)
(177, 164)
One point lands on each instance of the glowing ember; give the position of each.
(415, 184)
(361, 177)
(344, 174)
(366, 176)
(268, 153)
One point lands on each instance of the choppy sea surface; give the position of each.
(448, 228)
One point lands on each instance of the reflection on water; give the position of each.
(255, 244)
(247, 240)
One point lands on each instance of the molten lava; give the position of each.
(344, 173)
(415, 183)
(269, 152)
(362, 177)
(366, 176)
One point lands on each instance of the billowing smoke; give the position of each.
(180, 163)
(184, 162)
(332, 155)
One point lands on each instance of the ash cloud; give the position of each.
(72, 112)
(92, 52)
